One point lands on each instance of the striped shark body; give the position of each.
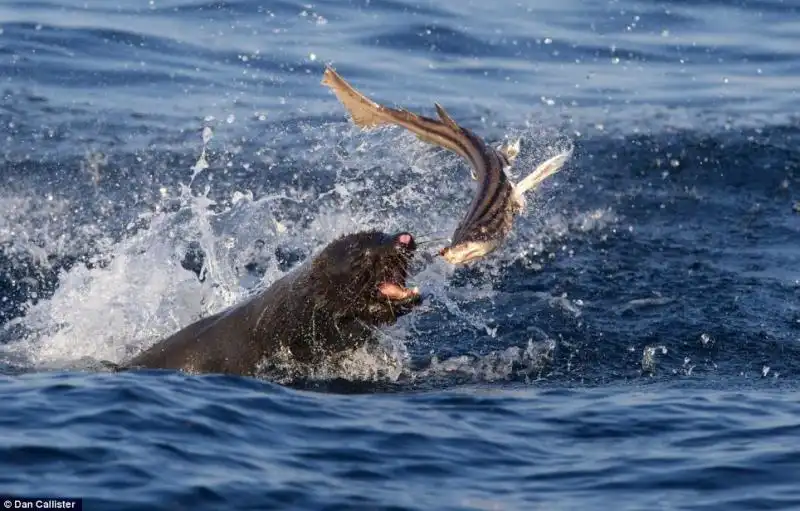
(497, 200)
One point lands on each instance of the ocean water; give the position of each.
(633, 345)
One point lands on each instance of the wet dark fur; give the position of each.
(327, 306)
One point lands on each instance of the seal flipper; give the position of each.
(542, 172)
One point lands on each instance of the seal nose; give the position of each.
(405, 241)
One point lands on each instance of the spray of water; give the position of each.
(384, 179)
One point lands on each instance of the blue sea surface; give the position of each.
(633, 345)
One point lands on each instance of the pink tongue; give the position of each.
(393, 291)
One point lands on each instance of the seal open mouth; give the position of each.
(394, 286)
(397, 292)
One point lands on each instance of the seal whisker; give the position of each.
(425, 235)
(427, 242)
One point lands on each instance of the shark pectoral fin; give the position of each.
(510, 150)
(542, 172)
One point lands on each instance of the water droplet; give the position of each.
(207, 134)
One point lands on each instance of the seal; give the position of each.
(331, 304)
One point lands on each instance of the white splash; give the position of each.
(110, 312)
(202, 161)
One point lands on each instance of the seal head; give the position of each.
(363, 275)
